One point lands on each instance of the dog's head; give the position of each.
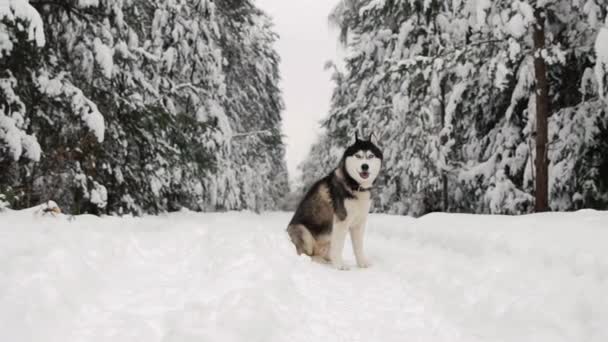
(362, 161)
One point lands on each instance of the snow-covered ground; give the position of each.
(235, 277)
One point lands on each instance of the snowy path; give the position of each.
(235, 277)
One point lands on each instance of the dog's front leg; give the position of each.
(356, 236)
(338, 235)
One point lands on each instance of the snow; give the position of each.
(31, 147)
(99, 195)
(588, 82)
(592, 10)
(13, 137)
(481, 6)
(214, 110)
(89, 113)
(404, 32)
(525, 9)
(571, 130)
(235, 277)
(601, 52)
(88, 3)
(521, 20)
(484, 169)
(516, 26)
(514, 49)
(372, 5)
(454, 100)
(502, 73)
(80, 104)
(6, 45)
(3, 204)
(10, 136)
(156, 185)
(21, 9)
(104, 57)
(525, 81)
(122, 49)
(168, 58)
(504, 196)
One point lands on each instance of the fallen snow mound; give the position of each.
(235, 277)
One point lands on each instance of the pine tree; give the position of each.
(449, 87)
(136, 106)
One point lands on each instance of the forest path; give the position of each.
(235, 277)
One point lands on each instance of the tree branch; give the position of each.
(245, 134)
(61, 4)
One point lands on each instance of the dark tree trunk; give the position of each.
(444, 176)
(542, 112)
(444, 180)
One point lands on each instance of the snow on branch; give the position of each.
(13, 136)
(187, 85)
(20, 9)
(246, 134)
(80, 104)
(601, 63)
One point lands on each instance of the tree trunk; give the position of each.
(444, 180)
(542, 112)
(444, 176)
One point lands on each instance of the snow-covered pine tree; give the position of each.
(21, 34)
(130, 103)
(505, 163)
(448, 88)
(31, 100)
(253, 106)
(394, 87)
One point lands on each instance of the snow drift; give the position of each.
(235, 277)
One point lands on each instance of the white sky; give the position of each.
(305, 44)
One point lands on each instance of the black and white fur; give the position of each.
(336, 205)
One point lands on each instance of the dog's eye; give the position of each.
(358, 156)
(370, 156)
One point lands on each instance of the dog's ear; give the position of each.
(357, 136)
(371, 137)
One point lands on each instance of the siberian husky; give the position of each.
(337, 204)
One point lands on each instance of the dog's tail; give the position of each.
(301, 238)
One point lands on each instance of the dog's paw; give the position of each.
(319, 259)
(341, 267)
(364, 264)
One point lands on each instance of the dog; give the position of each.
(337, 204)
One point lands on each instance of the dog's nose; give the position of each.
(364, 167)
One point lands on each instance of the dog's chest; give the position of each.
(357, 208)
